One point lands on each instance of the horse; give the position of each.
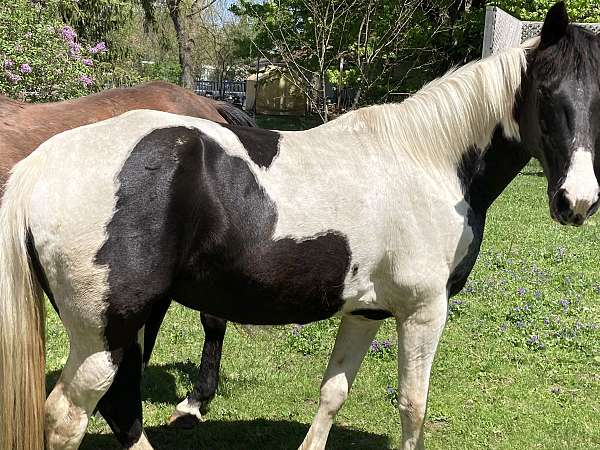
(24, 126)
(377, 214)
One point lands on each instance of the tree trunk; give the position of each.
(184, 43)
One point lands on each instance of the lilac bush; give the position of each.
(42, 59)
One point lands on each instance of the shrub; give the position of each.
(41, 58)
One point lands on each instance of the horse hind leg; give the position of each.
(351, 344)
(121, 406)
(189, 412)
(87, 375)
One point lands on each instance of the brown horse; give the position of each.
(24, 126)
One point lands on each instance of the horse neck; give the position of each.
(486, 175)
(439, 124)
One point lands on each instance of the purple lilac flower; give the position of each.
(8, 64)
(98, 48)
(74, 49)
(25, 68)
(87, 62)
(68, 34)
(13, 77)
(86, 80)
(521, 292)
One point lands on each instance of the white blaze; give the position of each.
(581, 187)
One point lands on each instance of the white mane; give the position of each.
(450, 115)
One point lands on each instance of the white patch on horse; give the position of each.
(581, 186)
(188, 407)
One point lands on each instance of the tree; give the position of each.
(182, 13)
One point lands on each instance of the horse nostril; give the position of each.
(562, 204)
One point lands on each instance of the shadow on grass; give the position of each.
(243, 435)
(158, 383)
(159, 386)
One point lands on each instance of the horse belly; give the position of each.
(282, 281)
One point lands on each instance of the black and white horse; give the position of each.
(377, 214)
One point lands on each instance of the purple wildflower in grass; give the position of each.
(517, 308)
(521, 292)
(86, 80)
(87, 62)
(8, 64)
(13, 77)
(25, 68)
(526, 307)
(68, 33)
(390, 390)
(100, 47)
(537, 295)
(564, 303)
(534, 339)
(546, 321)
(520, 324)
(386, 345)
(503, 327)
(375, 347)
(560, 252)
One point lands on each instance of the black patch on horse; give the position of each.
(38, 270)
(261, 145)
(483, 177)
(199, 228)
(372, 314)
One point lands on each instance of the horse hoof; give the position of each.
(183, 420)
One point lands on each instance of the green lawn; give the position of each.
(518, 365)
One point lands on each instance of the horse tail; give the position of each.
(234, 115)
(22, 319)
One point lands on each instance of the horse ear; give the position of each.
(555, 24)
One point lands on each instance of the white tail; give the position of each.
(22, 319)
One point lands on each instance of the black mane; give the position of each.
(577, 51)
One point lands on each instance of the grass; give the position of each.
(518, 365)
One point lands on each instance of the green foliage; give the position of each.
(42, 59)
(167, 71)
(579, 10)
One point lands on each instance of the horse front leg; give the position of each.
(418, 335)
(189, 412)
(351, 344)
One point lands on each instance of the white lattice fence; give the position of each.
(504, 31)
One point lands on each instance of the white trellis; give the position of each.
(504, 31)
